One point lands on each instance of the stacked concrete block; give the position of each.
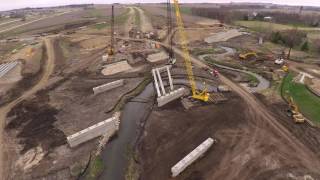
(105, 58)
(108, 86)
(173, 95)
(158, 57)
(109, 126)
(191, 157)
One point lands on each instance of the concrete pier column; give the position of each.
(156, 82)
(170, 78)
(161, 83)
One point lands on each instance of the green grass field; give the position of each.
(101, 26)
(185, 10)
(262, 26)
(118, 20)
(308, 103)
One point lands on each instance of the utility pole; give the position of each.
(169, 24)
(111, 49)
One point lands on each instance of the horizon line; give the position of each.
(62, 5)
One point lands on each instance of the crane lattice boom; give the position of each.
(204, 96)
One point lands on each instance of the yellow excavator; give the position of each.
(294, 112)
(248, 55)
(196, 94)
(285, 68)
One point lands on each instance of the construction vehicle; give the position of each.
(285, 68)
(279, 61)
(248, 55)
(30, 52)
(196, 94)
(111, 50)
(214, 72)
(294, 112)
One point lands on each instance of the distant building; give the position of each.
(267, 18)
(254, 14)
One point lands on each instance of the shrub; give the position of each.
(305, 46)
(276, 37)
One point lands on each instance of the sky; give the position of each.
(15, 4)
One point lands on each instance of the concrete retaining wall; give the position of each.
(109, 86)
(191, 157)
(109, 126)
(173, 95)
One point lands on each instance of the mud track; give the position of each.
(48, 70)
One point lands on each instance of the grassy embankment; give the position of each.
(308, 103)
(262, 26)
(202, 51)
(95, 168)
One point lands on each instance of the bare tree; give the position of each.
(293, 38)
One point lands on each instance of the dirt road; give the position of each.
(263, 113)
(48, 69)
(263, 83)
(9, 22)
(145, 24)
(130, 22)
(264, 118)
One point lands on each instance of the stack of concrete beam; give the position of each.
(109, 127)
(158, 57)
(6, 67)
(115, 68)
(191, 157)
(108, 86)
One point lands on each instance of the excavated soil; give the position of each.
(247, 147)
(35, 120)
(172, 132)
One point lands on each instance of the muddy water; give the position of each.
(115, 153)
